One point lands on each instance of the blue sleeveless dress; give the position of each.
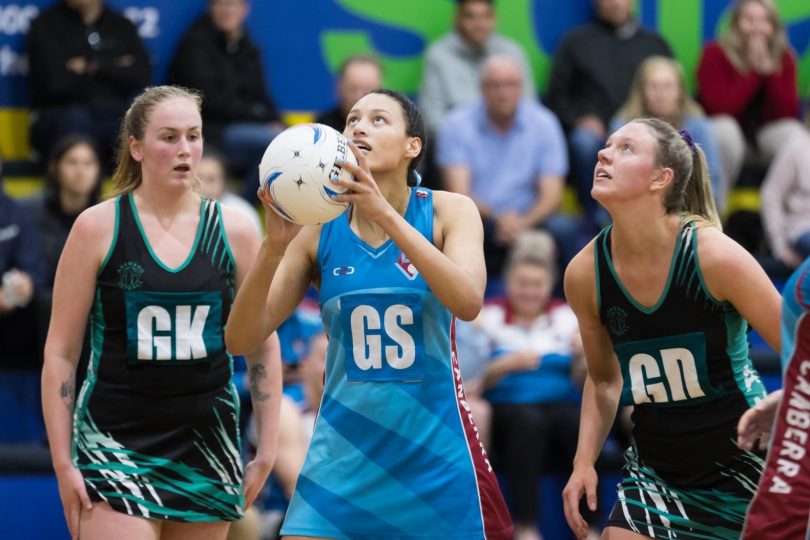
(395, 453)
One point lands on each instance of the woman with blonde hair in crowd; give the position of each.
(747, 84)
(534, 371)
(659, 91)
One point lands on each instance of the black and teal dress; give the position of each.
(687, 372)
(155, 427)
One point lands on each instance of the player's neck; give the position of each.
(641, 238)
(163, 205)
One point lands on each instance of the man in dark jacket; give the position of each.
(87, 62)
(218, 58)
(593, 69)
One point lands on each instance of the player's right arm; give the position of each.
(74, 287)
(275, 284)
(601, 392)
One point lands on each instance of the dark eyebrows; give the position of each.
(372, 111)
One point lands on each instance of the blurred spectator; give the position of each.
(453, 63)
(593, 69)
(747, 83)
(536, 368)
(297, 335)
(218, 57)
(358, 75)
(505, 127)
(72, 184)
(452, 72)
(213, 179)
(659, 90)
(786, 202)
(22, 271)
(22, 268)
(87, 62)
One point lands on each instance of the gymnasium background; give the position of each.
(304, 42)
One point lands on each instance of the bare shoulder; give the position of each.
(719, 253)
(724, 263)
(580, 281)
(92, 233)
(447, 202)
(238, 226)
(451, 208)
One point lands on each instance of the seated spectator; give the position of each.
(452, 72)
(536, 368)
(659, 90)
(218, 57)
(590, 79)
(213, 179)
(72, 184)
(453, 63)
(87, 62)
(22, 271)
(508, 153)
(747, 84)
(297, 335)
(786, 202)
(358, 76)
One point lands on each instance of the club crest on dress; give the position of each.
(617, 320)
(407, 268)
(130, 276)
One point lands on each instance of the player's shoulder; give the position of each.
(449, 197)
(237, 224)
(580, 278)
(100, 216)
(450, 203)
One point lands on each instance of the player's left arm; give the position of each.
(264, 364)
(732, 274)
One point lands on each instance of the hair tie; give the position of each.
(687, 139)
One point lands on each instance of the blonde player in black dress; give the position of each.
(150, 448)
(662, 297)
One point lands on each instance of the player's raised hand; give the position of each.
(363, 192)
(279, 231)
(757, 422)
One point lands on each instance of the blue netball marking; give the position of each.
(318, 133)
(329, 196)
(277, 206)
(272, 177)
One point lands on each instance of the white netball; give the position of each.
(297, 166)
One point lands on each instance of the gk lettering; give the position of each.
(672, 377)
(367, 337)
(160, 332)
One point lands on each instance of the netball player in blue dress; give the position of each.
(663, 298)
(394, 453)
(151, 449)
